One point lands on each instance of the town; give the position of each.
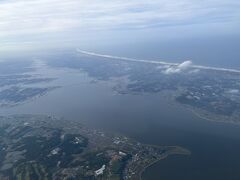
(40, 146)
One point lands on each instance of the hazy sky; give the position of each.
(86, 23)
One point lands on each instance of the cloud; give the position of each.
(185, 65)
(179, 68)
(233, 91)
(110, 57)
(169, 67)
(171, 70)
(40, 16)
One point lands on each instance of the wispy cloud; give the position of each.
(41, 16)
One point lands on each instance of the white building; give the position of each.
(100, 171)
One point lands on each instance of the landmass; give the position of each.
(212, 95)
(19, 82)
(46, 147)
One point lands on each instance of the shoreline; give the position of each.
(211, 119)
(148, 166)
(199, 112)
(178, 150)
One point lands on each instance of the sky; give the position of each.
(98, 23)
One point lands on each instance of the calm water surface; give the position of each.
(150, 119)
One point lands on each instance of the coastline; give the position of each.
(200, 113)
(195, 112)
(175, 150)
(211, 119)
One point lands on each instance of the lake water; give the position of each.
(149, 118)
